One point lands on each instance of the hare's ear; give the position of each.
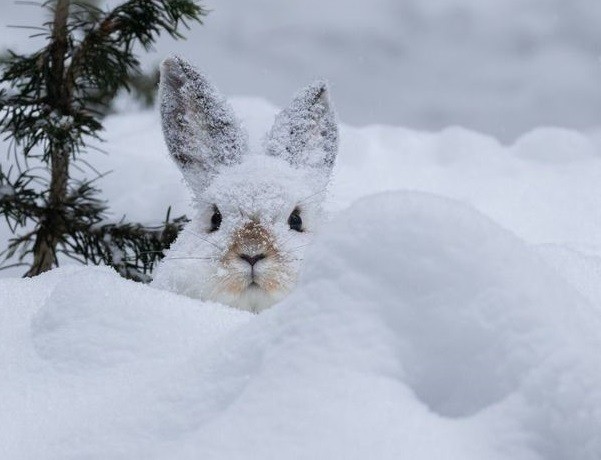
(306, 133)
(200, 128)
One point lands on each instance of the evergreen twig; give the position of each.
(51, 106)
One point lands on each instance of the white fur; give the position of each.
(263, 188)
(255, 192)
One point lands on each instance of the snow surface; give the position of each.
(459, 343)
(457, 319)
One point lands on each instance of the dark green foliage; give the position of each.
(51, 105)
(143, 87)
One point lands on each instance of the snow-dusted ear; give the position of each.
(306, 133)
(200, 128)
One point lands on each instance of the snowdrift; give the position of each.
(420, 329)
(457, 320)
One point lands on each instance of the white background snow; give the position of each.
(451, 309)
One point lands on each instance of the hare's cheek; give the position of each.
(229, 259)
(226, 279)
(276, 275)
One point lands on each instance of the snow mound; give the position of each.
(82, 349)
(420, 329)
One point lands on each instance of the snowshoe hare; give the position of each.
(256, 211)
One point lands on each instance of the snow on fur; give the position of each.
(262, 190)
(306, 133)
(200, 128)
(251, 194)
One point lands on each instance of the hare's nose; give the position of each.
(252, 260)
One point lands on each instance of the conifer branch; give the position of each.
(49, 109)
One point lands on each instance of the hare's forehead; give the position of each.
(262, 186)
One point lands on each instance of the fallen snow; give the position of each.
(457, 319)
(420, 329)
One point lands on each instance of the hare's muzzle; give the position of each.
(252, 260)
(252, 243)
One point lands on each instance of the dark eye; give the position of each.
(215, 219)
(295, 221)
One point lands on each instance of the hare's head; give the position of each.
(256, 211)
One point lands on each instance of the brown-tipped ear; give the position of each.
(200, 128)
(306, 133)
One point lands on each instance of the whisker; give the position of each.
(296, 248)
(169, 251)
(203, 239)
(286, 240)
(190, 258)
(290, 236)
(153, 252)
(323, 190)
